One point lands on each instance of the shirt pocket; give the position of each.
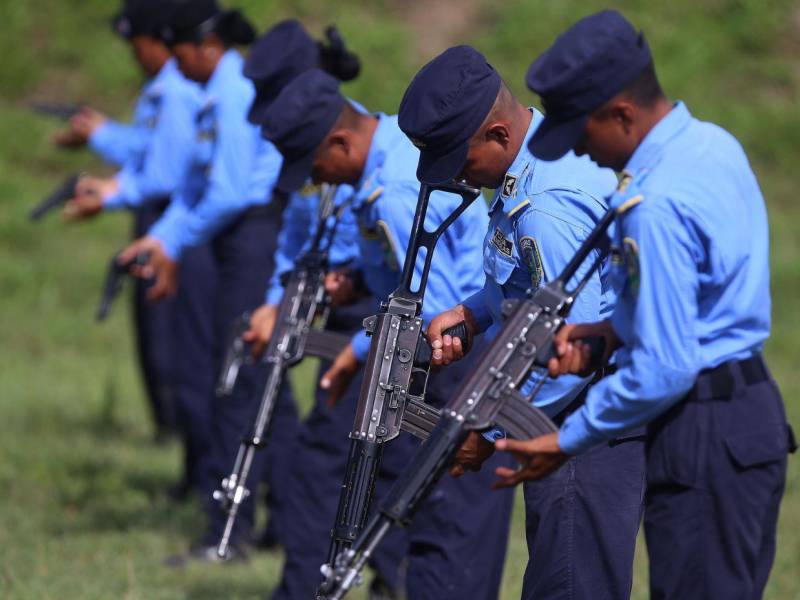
(497, 266)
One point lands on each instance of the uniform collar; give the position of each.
(652, 147)
(228, 68)
(521, 166)
(381, 143)
(169, 70)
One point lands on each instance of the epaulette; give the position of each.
(309, 189)
(517, 210)
(627, 194)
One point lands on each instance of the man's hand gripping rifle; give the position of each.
(489, 396)
(392, 395)
(304, 299)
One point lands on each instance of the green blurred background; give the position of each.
(83, 508)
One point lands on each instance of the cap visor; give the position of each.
(553, 139)
(295, 173)
(441, 168)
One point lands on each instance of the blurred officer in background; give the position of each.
(322, 443)
(457, 544)
(226, 199)
(154, 153)
(690, 323)
(581, 524)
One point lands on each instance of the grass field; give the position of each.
(83, 511)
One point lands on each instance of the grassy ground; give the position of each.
(83, 513)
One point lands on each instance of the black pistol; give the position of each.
(115, 277)
(56, 199)
(58, 110)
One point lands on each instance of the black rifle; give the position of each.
(63, 111)
(392, 395)
(488, 396)
(57, 198)
(115, 277)
(303, 300)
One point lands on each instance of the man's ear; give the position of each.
(624, 113)
(341, 141)
(498, 133)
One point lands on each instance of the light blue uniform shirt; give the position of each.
(121, 143)
(694, 247)
(232, 168)
(538, 218)
(300, 220)
(167, 108)
(385, 225)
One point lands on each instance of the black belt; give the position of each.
(721, 381)
(273, 209)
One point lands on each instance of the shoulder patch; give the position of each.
(529, 251)
(631, 249)
(503, 244)
(387, 245)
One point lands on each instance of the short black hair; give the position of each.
(645, 90)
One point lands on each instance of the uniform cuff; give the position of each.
(274, 295)
(116, 202)
(479, 309)
(167, 231)
(105, 137)
(360, 343)
(577, 435)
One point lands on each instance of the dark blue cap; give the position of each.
(142, 17)
(298, 121)
(191, 20)
(276, 58)
(585, 67)
(444, 106)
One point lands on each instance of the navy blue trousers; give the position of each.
(716, 469)
(155, 337)
(581, 524)
(459, 536)
(194, 360)
(455, 546)
(244, 256)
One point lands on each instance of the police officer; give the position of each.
(227, 199)
(582, 523)
(457, 547)
(689, 325)
(164, 122)
(309, 497)
(277, 57)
